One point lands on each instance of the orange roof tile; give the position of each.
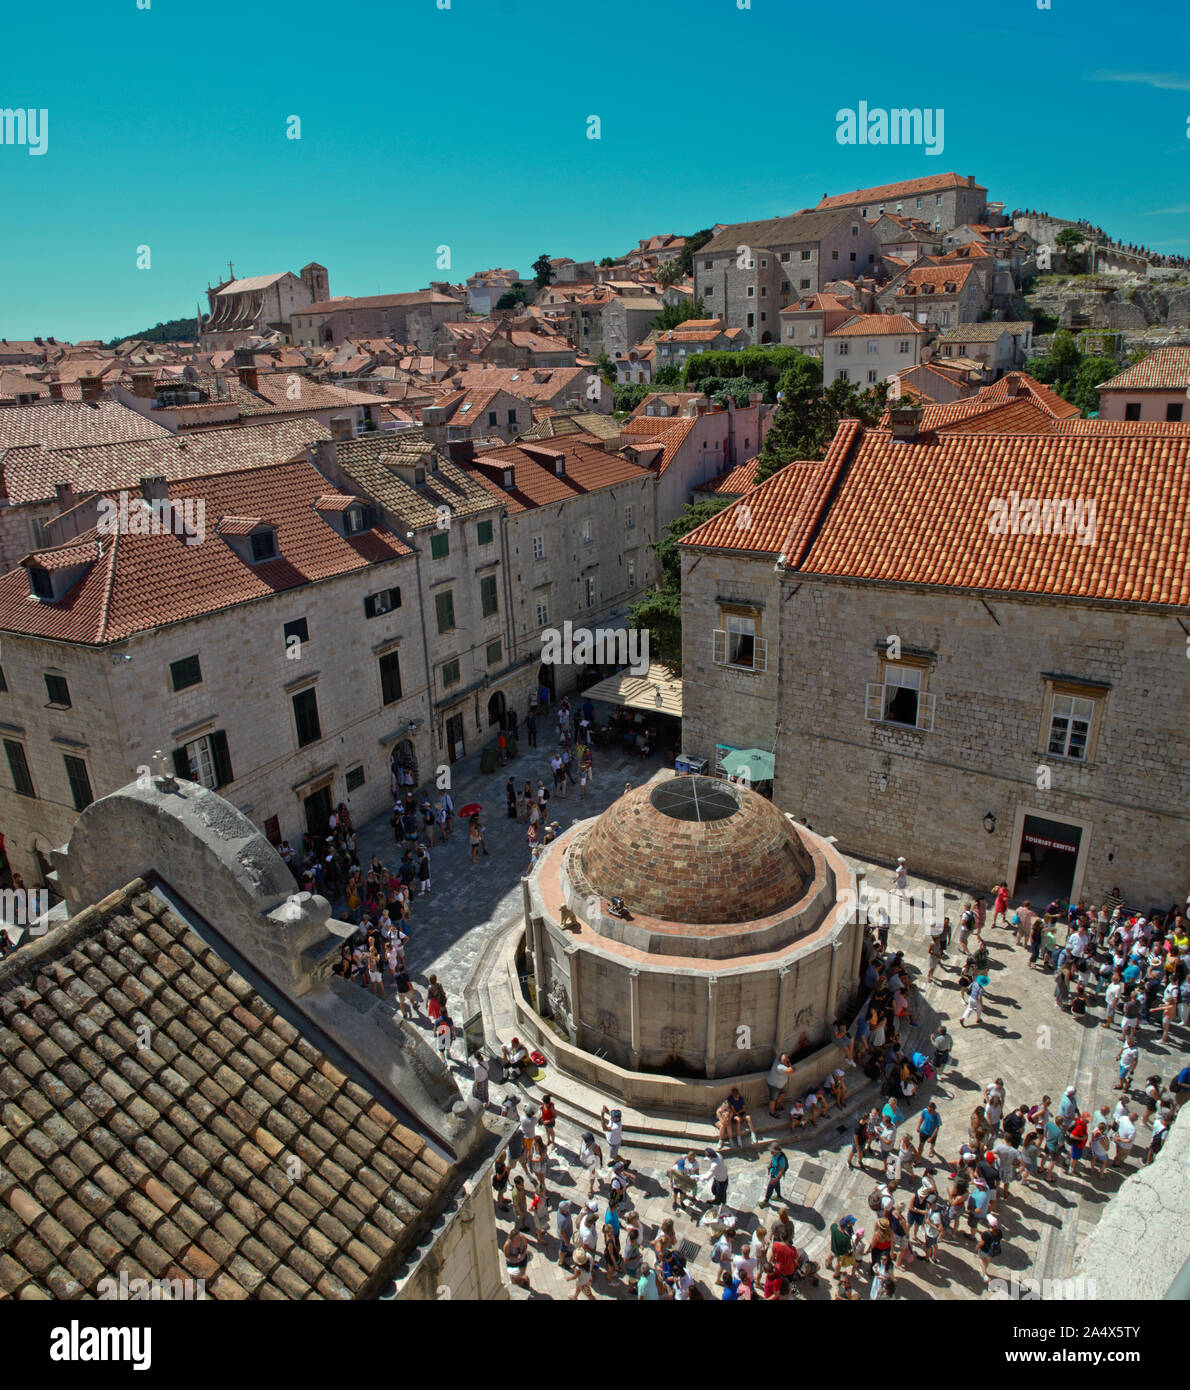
(733, 482)
(933, 183)
(146, 581)
(1167, 369)
(876, 326)
(762, 519)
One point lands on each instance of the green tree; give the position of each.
(660, 612)
(808, 416)
(607, 260)
(543, 271)
(607, 368)
(673, 314)
(694, 244)
(669, 274)
(1071, 373)
(514, 298)
(626, 398)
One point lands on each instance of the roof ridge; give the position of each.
(105, 606)
(73, 929)
(806, 524)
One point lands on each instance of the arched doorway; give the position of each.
(766, 337)
(545, 676)
(497, 708)
(404, 768)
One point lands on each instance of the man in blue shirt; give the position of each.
(928, 1124)
(1180, 1086)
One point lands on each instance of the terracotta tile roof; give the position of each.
(147, 581)
(876, 326)
(554, 383)
(670, 398)
(29, 474)
(762, 519)
(1159, 429)
(933, 183)
(923, 498)
(238, 525)
(66, 557)
(63, 424)
(413, 299)
(983, 332)
(801, 228)
(820, 302)
(1013, 384)
(168, 1161)
(252, 282)
(588, 468)
(1022, 416)
(937, 275)
(370, 464)
(734, 482)
(1167, 369)
(670, 440)
(335, 502)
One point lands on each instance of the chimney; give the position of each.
(249, 378)
(91, 386)
(154, 488)
(144, 384)
(905, 422)
(755, 397)
(65, 496)
(56, 391)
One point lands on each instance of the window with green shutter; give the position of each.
(305, 717)
(390, 678)
(483, 533)
(185, 673)
(80, 783)
(22, 783)
(487, 595)
(444, 606)
(440, 545)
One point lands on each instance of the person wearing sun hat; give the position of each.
(989, 1246)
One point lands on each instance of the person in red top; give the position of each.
(782, 1262)
(1077, 1134)
(548, 1119)
(774, 1287)
(1000, 906)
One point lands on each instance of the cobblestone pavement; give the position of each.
(1024, 1039)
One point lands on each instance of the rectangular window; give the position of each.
(487, 595)
(629, 517)
(844, 375)
(22, 783)
(588, 531)
(1173, 412)
(80, 783)
(851, 255)
(539, 547)
(444, 606)
(904, 345)
(805, 284)
(205, 760)
(764, 263)
(751, 320)
(376, 605)
(305, 717)
(710, 290)
(543, 613)
(590, 592)
(185, 673)
(843, 349)
(390, 678)
(264, 546)
(873, 347)
(834, 255)
(3, 682)
(355, 779)
(492, 417)
(708, 265)
(872, 374)
(58, 691)
(630, 570)
(805, 255)
(298, 628)
(495, 652)
(512, 416)
(483, 533)
(784, 256)
(1070, 726)
(1132, 410)
(450, 674)
(901, 698)
(751, 291)
(439, 545)
(738, 645)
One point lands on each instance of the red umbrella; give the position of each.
(472, 808)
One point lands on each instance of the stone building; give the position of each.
(748, 272)
(243, 309)
(939, 296)
(273, 659)
(410, 318)
(941, 681)
(942, 201)
(191, 1097)
(869, 348)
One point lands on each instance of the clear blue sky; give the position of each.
(467, 127)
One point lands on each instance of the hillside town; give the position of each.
(500, 776)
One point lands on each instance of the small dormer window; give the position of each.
(41, 585)
(264, 545)
(355, 520)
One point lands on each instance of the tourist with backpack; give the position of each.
(778, 1167)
